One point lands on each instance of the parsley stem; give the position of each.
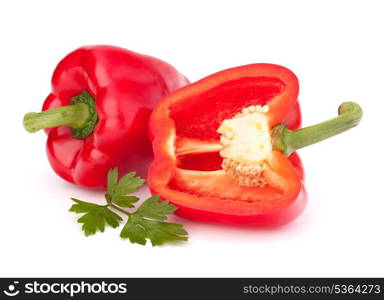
(119, 209)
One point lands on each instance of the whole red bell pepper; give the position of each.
(224, 146)
(97, 113)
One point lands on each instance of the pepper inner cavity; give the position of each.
(246, 145)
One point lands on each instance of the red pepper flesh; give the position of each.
(187, 166)
(125, 86)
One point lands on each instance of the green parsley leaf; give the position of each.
(95, 217)
(117, 189)
(113, 175)
(125, 201)
(148, 223)
(152, 208)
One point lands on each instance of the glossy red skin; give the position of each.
(162, 165)
(126, 86)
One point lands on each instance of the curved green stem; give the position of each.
(75, 116)
(81, 116)
(288, 141)
(119, 209)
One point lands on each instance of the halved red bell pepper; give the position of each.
(203, 159)
(97, 114)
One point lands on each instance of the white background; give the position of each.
(334, 47)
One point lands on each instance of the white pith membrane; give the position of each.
(246, 145)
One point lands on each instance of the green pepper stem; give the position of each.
(81, 116)
(75, 116)
(288, 141)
